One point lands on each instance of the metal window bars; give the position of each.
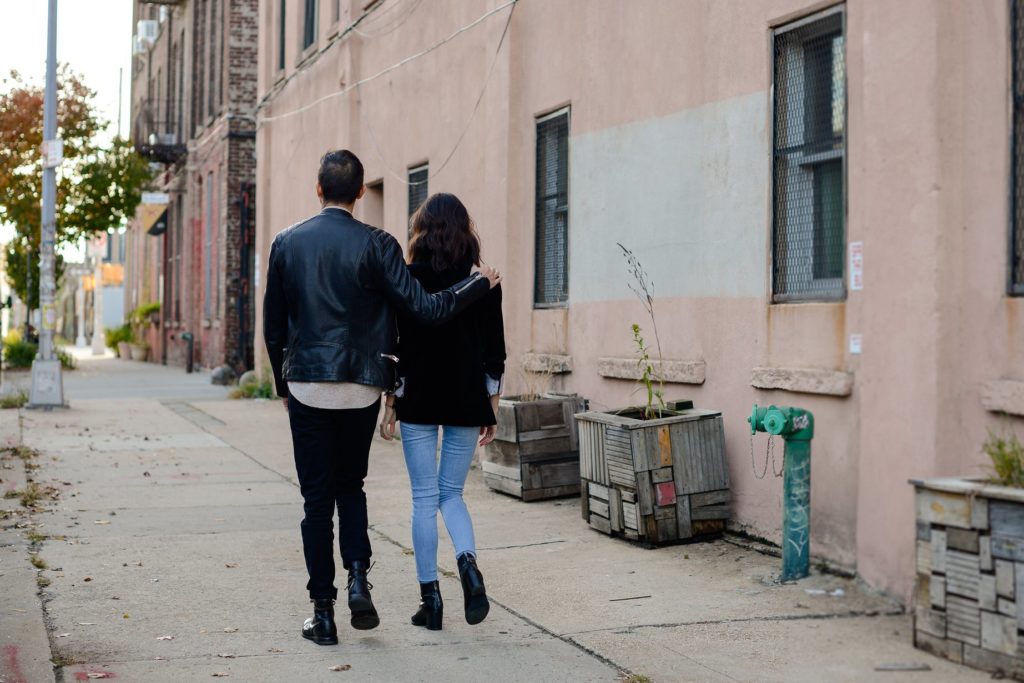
(551, 268)
(1016, 250)
(418, 186)
(809, 146)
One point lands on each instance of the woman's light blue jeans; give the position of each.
(436, 488)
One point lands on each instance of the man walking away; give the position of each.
(334, 286)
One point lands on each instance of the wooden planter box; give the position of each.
(969, 597)
(655, 481)
(535, 454)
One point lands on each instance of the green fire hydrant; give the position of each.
(796, 427)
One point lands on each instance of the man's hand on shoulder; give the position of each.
(492, 275)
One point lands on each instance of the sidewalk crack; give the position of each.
(851, 614)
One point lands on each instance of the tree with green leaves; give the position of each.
(98, 186)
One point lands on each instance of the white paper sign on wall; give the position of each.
(856, 266)
(856, 342)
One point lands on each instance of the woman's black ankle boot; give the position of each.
(473, 591)
(431, 607)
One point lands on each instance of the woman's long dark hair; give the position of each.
(443, 234)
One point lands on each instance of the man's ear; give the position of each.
(319, 192)
(362, 191)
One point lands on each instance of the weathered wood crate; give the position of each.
(969, 597)
(535, 453)
(655, 481)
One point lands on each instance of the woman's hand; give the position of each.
(387, 423)
(487, 434)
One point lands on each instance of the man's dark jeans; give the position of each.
(332, 449)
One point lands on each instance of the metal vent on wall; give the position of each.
(809, 132)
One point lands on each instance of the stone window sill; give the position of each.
(1004, 396)
(671, 371)
(547, 363)
(803, 380)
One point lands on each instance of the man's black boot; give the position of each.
(473, 591)
(431, 609)
(320, 627)
(364, 615)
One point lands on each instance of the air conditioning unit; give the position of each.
(148, 31)
(163, 139)
(138, 47)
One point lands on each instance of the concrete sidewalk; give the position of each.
(173, 554)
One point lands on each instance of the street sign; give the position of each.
(53, 153)
(156, 198)
(49, 317)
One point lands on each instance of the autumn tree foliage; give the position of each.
(98, 186)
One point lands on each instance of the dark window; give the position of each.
(280, 35)
(213, 74)
(309, 24)
(175, 259)
(1017, 219)
(809, 207)
(551, 267)
(418, 179)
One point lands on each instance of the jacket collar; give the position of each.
(336, 209)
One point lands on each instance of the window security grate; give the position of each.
(1017, 161)
(551, 287)
(418, 183)
(809, 147)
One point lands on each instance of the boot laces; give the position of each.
(352, 577)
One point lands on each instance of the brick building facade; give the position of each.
(193, 97)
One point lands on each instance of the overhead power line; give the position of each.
(338, 93)
(434, 173)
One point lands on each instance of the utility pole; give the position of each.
(120, 90)
(47, 381)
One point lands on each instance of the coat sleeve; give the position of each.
(275, 319)
(407, 295)
(493, 337)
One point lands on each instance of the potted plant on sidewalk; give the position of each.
(969, 588)
(142, 318)
(117, 339)
(535, 452)
(655, 473)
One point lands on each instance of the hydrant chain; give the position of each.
(753, 463)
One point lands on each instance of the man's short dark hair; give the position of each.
(340, 176)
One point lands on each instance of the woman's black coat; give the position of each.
(444, 367)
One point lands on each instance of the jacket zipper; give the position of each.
(394, 359)
(472, 281)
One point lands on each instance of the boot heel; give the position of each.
(434, 618)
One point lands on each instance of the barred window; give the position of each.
(309, 24)
(809, 132)
(1017, 161)
(418, 178)
(551, 266)
(280, 35)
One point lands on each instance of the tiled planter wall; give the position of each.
(969, 597)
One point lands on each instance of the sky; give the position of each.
(93, 36)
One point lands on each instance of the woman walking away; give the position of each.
(449, 381)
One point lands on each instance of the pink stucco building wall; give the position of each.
(670, 153)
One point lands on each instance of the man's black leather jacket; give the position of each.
(334, 286)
